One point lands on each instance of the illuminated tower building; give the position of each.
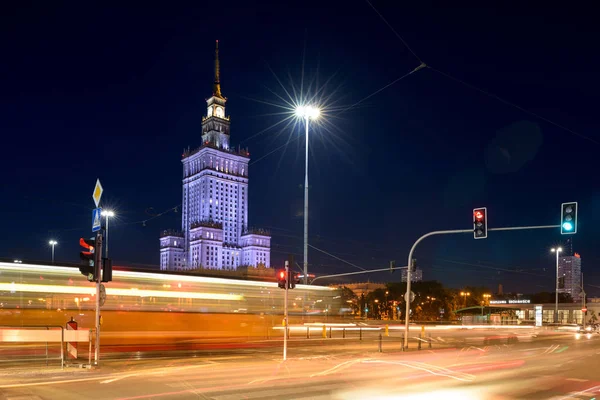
(569, 272)
(214, 224)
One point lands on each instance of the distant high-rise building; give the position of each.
(569, 270)
(415, 276)
(214, 224)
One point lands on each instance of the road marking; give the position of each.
(161, 371)
(99, 378)
(577, 380)
(16, 385)
(228, 358)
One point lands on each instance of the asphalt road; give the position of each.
(545, 367)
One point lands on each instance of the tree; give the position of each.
(432, 300)
(349, 299)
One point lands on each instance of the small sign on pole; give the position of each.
(96, 219)
(97, 194)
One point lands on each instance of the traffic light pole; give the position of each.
(448, 232)
(285, 310)
(367, 271)
(97, 266)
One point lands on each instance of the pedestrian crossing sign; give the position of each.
(96, 221)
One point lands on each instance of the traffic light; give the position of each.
(480, 223)
(281, 279)
(392, 266)
(89, 258)
(292, 276)
(568, 218)
(413, 265)
(561, 282)
(284, 280)
(106, 270)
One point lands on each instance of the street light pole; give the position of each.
(306, 113)
(53, 243)
(306, 204)
(107, 215)
(557, 251)
(583, 306)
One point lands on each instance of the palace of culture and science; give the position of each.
(215, 233)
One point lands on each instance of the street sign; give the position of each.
(584, 309)
(97, 194)
(412, 296)
(538, 315)
(96, 219)
(102, 295)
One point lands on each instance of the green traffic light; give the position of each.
(567, 226)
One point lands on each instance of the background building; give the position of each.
(569, 270)
(214, 227)
(416, 275)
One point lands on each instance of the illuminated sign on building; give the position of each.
(518, 301)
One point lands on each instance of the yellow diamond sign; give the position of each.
(97, 192)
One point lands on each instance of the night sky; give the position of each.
(91, 91)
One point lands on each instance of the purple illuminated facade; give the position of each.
(214, 224)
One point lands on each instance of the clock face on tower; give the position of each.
(220, 112)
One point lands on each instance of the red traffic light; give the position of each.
(282, 274)
(479, 215)
(88, 244)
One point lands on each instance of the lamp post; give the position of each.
(465, 294)
(486, 300)
(306, 113)
(557, 251)
(583, 303)
(107, 214)
(53, 243)
(387, 305)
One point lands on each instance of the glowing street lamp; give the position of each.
(557, 251)
(107, 214)
(306, 113)
(53, 243)
(465, 294)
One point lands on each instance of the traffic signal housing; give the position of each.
(292, 280)
(106, 270)
(480, 227)
(284, 279)
(281, 279)
(88, 257)
(568, 218)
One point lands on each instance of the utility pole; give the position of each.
(98, 267)
(583, 307)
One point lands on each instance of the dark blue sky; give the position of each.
(89, 90)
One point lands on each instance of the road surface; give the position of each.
(549, 367)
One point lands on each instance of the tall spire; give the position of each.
(217, 82)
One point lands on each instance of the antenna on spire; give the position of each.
(217, 82)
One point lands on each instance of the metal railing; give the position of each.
(45, 334)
